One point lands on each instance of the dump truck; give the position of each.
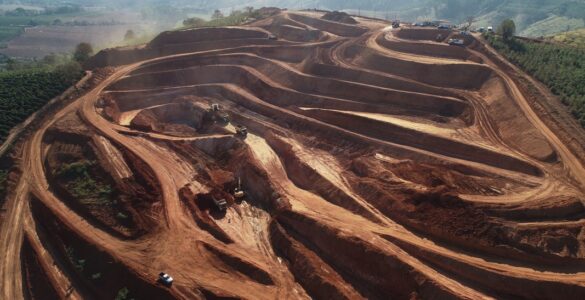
(220, 204)
(165, 279)
(241, 131)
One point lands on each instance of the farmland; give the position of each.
(25, 91)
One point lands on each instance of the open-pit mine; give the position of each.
(297, 157)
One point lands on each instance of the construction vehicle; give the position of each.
(272, 37)
(456, 42)
(395, 24)
(241, 131)
(165, 279)
(238, 192)
(220, 204)
(218, 115)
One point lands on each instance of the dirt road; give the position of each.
(377, 164)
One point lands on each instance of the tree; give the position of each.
(217, 14)
(83, 52)
(507, 29)
(130, 35)
(248, 9)
(193, 22)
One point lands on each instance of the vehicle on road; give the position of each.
(165, 279)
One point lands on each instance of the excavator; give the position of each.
(238, 192)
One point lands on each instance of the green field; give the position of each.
(560, 67)
(25, 91)
(575, 38)
(12, 26)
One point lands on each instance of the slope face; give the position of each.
(377, 164)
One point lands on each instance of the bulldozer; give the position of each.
(238, 192)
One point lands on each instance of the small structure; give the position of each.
(165, 279)
(214, 107)
(490, 29)
(238, 192)
(220, 204)
(241, 131)
(481, 29)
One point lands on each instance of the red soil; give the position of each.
(378, 164)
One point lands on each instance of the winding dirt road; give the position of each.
(378, 164)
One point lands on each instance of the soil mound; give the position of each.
(337, 16)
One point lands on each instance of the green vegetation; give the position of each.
(82, 52)
(575, 38)
(507, 29)
(82, 186)
(237, 17)
(3, 179)
(560, 67)
(13, 24)
(123, 294)
(24, 91)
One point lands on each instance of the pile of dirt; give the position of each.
(339, 16)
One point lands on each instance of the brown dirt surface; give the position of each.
(376, 163)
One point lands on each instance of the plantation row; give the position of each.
(24, 92)
(560, 67)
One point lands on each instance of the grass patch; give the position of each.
(575, 38)
(83, 187)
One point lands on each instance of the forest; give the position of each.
(560, 67)
(23, 92)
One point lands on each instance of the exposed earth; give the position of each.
(379, 163)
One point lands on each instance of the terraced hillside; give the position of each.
(379, 163)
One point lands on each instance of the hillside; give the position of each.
(574, 38)
(533, 18)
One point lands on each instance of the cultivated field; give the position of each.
(379, 163)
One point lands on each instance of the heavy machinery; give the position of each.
(241, 131)
(217, 114)
(395, 24)
(220, 204)
(456, 42)
(238, 192)
(165, 279)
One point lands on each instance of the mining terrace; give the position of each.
(295, 158)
